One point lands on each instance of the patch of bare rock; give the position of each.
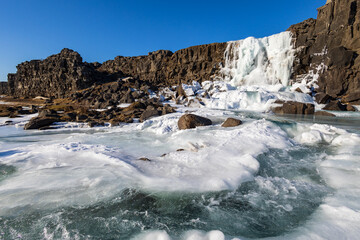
(189, 121)
(292, 107)
(231, 122)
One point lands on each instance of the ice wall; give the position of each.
(264, 61)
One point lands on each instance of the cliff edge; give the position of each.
(329, 47)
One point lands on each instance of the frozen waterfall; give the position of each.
(264, 61)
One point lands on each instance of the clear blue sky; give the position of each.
(103, 29)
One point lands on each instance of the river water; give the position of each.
(271, 177)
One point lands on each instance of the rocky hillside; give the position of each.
(327, 48)
(63, 73)
(330, 46)
(56, 76)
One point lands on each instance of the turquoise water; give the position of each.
(283, 195)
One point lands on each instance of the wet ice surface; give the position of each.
(270, 177)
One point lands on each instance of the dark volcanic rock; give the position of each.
(56, 76)
(167, 68)
(36, 123)
(350, 108)
(294, 108)
(62, 74)
(335, 106)
(148, 113)
(324, 114)
(353, 97)
(188, 121)
(231, 122)
(3, 88)
(330, 46)
(81, 118)
(322, 98)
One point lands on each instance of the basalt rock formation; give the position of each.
(56, 76)
(330, 46)
(166, 68)
(62, 74)
(3, 88)
(327, 48)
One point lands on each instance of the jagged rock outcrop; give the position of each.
(330, 46)
(166, 68)
(3, 88)
(327, 48)
(62, 74)
(56, 76)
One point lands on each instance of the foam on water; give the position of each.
(90, 166)
(89, 169)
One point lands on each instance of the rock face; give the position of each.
(3, 88)
(189, 121)
(56, 76)
(62, 74)
(166, 68)
(330, 46)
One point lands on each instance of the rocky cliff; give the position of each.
(166, 68)
(3, 88)
(327, 51)
(329, 47)
(55, 76)
(63, 73)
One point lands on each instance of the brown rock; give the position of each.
(114, 122)
(180, 91)
(189, 121)
(335, 106)
(298, 90)
(148, 113)
(125, 118)
(36, 123)
(167, 109)
(325, 114)
(48, 113)
(295, 108)
(56, 76)
(4, 88)
(350, 108)
(322, 98)
(351, 97)
(333, 40)
(231, 122)
(81, 118)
